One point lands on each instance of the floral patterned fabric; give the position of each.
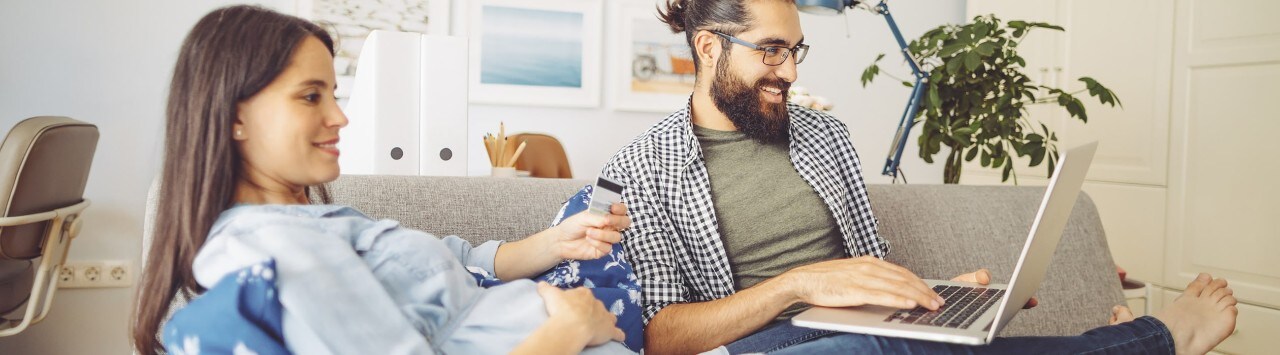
(240, 315)
(610, 278)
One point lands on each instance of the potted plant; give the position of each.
(976, 97)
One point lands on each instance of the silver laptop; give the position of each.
(974, 314)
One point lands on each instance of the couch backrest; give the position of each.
(474, 208)
(937, 231)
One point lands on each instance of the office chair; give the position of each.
(44, 165)
(544, 156)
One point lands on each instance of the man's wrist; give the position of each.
(788, 287)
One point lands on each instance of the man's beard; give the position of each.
(765, 122)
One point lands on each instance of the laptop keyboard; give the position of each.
(964, 305)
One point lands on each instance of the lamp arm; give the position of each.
(899, 143)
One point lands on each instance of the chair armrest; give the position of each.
(44, 216)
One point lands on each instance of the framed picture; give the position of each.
(351, 21)
(535, 52)
(654, 70)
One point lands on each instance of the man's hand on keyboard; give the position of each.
(983, 277)
(859, 281)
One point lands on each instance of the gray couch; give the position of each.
(936, 231)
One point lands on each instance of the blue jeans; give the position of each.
(1145, 335)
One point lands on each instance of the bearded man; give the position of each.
(746, 210)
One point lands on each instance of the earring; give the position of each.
(239, 133)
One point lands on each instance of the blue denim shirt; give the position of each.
(353, 285)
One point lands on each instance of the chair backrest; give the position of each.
(44, 166)
(543, 156)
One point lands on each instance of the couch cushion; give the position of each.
(940, 231)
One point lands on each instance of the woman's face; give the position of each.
(287, 133)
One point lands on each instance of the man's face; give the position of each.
(752, 94)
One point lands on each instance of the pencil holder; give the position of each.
(504, 172)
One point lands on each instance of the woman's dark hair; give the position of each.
(690, 16)
(230, 55)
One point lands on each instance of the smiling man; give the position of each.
(746, 210)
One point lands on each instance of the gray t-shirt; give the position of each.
(771, 219)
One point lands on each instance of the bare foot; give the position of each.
(1121, 314)
(1203, 316)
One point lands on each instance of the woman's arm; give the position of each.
(583, 236)
(577, 320)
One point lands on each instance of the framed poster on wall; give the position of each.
(351, 21)
(535, 52)
(653, 71)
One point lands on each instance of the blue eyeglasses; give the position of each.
(773, 55)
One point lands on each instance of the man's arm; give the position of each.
(688, 328)
(697, 327)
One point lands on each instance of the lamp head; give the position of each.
(825, 7)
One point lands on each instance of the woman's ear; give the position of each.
(706, 46)
(237, 128)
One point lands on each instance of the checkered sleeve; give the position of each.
(648, 243)
(868, 240)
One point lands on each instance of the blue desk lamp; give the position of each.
(835, 7)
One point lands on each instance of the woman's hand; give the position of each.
(584, 236)
(580, 314)
(587, 236)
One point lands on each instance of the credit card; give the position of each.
(604, 194)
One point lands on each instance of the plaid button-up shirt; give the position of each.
(673, 242)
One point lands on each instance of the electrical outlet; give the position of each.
(66, 274)
(96, 274)
(92, 274)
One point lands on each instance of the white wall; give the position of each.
(832, 69)
(109, 63)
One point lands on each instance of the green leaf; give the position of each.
(935, 101)
(953, 65)
(963, 135)
(973, 153)
(1004, 176)
(1053, 163)
(950, 49)
(981, 29)
(986, 159)
(985, 48)
(908, 84)
(869, 74)
(1079, 108)
(1016, 24)
(1045, 26)
(1036, 159)
(1089, 83)
(971, 61)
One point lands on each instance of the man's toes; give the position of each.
(1216, 284)
(1196, 286)
(1217, 294)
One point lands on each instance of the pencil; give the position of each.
(488, 147)
(515, 156)
(502, 144)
